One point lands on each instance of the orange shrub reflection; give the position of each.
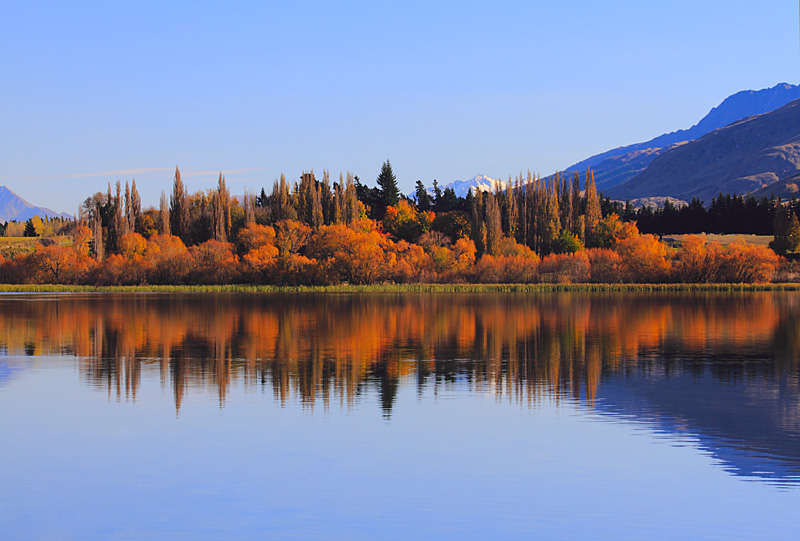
(319, 347)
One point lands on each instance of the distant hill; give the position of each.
(620, 164)
(741, 158)
(13, 207)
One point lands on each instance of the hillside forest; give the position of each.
(317, 232)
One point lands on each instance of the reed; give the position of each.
(399, 288)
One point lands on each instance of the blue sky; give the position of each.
(96, 92)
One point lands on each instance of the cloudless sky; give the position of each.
(94, 92)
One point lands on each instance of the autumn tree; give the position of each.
(403, 221)
(593, 214)
(163, 215)
(136, 206)
(179, 208)
(221, 210)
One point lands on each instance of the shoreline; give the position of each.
(399, 288)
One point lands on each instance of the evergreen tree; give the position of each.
(30, 229)
(387, 187)
(437, 196)
(423, 197)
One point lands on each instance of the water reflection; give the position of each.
(721, 366)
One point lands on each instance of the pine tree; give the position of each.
(387, 186)
(30, 229)
(423, 197)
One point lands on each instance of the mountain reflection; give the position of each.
(724, 366)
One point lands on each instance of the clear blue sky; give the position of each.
(95, 92)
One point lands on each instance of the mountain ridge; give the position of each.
(743, 157)
(15, 208)
(620, 164)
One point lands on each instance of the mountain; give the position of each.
(620, 164)
(463, 187)
(740, 158)
(13, 207)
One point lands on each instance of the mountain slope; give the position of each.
(620, 164)
(740, 158)
(13, 207)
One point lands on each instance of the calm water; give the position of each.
(400, 416)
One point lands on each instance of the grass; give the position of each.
(760, 240)
(13, 246)
(401, 288)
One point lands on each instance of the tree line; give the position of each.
(314, 231)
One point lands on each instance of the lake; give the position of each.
(434, 415)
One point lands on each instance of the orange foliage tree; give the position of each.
(605, 266)
(360, 256)
(565, 268)
(213, 262)
(403, 222)
(514, 264)
(644, 259)
(168, 260)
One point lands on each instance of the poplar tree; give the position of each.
(131, 224)
(338, 201)
(179, 208)
(326, 198)
(136, 204)
(163, 215)
(221, 210)
(575, 223)
(493, 224)
(593, 215)
(119, 227)
(352, 207)
(478, 229)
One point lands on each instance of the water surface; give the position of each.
(397, 416)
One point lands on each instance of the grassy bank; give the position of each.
(400, 288)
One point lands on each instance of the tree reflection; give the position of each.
(340, 346)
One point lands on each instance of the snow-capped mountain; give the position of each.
(463, 187)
